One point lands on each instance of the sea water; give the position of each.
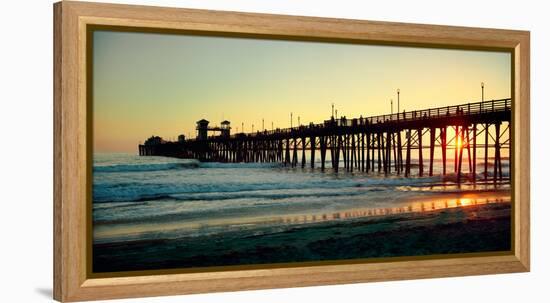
(149, 198)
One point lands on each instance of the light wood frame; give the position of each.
(72, 149)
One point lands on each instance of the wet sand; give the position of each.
(431, 229)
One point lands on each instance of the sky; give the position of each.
(148, 84)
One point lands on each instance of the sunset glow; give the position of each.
(159, 84)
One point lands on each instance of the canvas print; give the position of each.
(228, 152)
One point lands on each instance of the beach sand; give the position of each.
(457, 229)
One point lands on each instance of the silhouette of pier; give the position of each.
(384, 143)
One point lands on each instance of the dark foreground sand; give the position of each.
(465, 229)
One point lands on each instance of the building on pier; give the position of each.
(225, 129)
(154, 140)
(202, 129)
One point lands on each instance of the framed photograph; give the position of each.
(204, 151)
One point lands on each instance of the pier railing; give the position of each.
(445, 111)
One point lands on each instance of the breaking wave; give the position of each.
(144, 167)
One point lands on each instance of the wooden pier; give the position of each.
(383, 143)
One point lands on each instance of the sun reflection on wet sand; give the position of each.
(424, 206)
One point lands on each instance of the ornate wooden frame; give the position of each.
(72, 281)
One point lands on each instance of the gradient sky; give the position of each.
(159, 84)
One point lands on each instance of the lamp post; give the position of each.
(398, 106)
(290, 119)
(252, 127)
(482, 91)
(263, 128)
(332, 110)
(242, 127)
(391, 102)
(271, 125)
(299, 122)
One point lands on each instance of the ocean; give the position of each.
(158, 213)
